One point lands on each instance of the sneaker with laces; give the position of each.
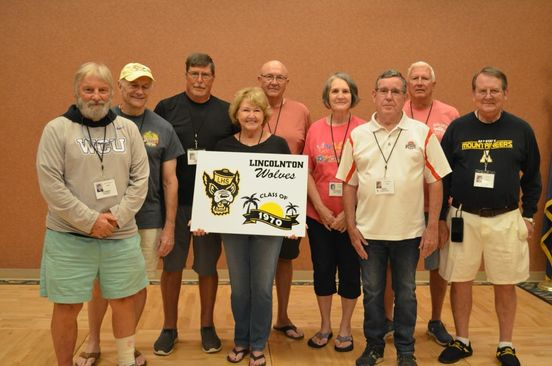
(371, 356)
(454, 352)
(507, 356)
(210, 342)
(437, 330)
(164, 345)
(389, 329)
(406, 360)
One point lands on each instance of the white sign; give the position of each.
(245, 193)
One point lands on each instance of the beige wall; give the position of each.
(43, 42)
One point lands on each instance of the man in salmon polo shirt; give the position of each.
(437, 115)
(384, 165)
(290, 120)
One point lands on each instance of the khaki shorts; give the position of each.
(501, 240)
(148, 242)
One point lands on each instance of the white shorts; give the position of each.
(148, 242)
(502, 240)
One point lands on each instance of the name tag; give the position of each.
(105, 188)
(484, 179)
(385, 186)
(335, 189)
(192, 156)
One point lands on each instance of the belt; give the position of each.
(485, 212)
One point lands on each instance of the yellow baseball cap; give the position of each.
(134, 70)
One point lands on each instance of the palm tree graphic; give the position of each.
(291, 209)
(250, 201)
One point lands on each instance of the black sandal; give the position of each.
(321, 336)
(239, 353)
(343, 339)
(257, 358)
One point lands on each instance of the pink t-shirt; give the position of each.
(292, 124)
(322, 160)
(440, 117)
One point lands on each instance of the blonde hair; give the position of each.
(256, 96)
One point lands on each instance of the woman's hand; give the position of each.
(326, 216)
(339, 223)
(199, 232)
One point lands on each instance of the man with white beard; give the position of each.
(91, 232)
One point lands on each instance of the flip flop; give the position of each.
(89, 355)
(343, 339)
(138, 354)
(242, 352)
(322, 336)
(286, 328)
(257, 358)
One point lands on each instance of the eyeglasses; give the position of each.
(385, 91)
(485, 92)
(269, 77)
(196, 75)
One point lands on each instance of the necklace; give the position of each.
(258, 142)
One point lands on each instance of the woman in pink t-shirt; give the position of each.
(331, 250)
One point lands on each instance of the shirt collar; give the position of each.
(375, 126)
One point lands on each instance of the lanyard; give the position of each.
(277, 119)
(202, 117)
(338, 159)
(429, 114)
(391, 152)
(94, 145)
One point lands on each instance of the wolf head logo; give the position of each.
(222, 188)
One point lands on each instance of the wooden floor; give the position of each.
(25, 318)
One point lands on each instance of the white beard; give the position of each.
(93, 111)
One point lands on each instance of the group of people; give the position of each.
(381, 194)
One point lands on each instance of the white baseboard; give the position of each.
(16, 275)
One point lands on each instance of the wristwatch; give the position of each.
(530, 219)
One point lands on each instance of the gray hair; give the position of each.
(421, 64)
(392, 74)
(101, 71)
(350, 82)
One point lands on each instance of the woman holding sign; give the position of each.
(331, 249)
(251, 258)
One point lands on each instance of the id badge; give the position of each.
(484, 179)
(335, 189)
(192, 156)
(105, 188)
(385, 186)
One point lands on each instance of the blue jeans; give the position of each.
(252, 263)
(403, 256)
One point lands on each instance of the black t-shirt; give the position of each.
(272, 145)
(208, 121)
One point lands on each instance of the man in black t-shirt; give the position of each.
(200, 121)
